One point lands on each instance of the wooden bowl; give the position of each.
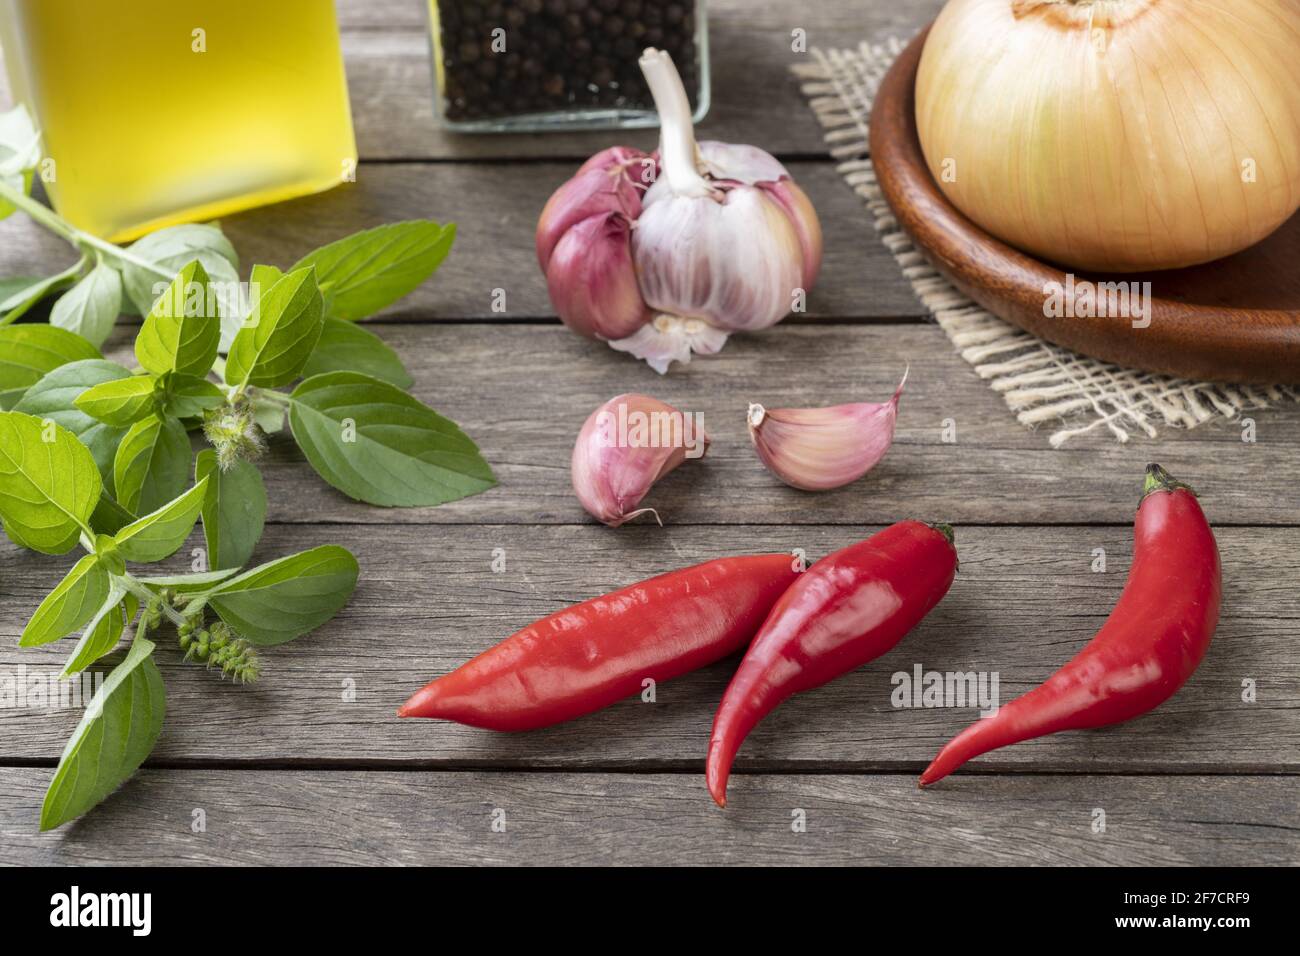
(1234, 320)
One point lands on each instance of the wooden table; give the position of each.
(295, 770)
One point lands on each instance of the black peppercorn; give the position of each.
(559, 55)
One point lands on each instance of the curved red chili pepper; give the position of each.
(595, 653)
(845, 610)
(1149, 646)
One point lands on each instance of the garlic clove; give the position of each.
(597, 190)
(798, 208)
(624, 158)
(592, 281)
(739, 163)
(816, 449)
(625, 446)
(692, 262)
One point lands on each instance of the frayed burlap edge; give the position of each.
(1040, 382)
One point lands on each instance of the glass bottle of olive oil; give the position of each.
(156, 112)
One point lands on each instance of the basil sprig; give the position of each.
(98, 454)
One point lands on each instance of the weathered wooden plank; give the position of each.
(1024, 602)
(274, 818)
(495, 208)
(755, 99)
(523, 392)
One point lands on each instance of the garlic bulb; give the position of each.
(665, 255)
(816, 449)
(625, 446)
(1116, 135)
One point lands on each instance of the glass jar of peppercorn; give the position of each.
(514, 65)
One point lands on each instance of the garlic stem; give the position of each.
(677, 150)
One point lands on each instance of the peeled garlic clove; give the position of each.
(592, 280)
(625, 446)
(605, 184)
(816, 449)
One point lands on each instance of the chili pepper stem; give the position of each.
(946, 531)
(1157, 479)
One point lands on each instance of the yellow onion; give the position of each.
(1116, 135)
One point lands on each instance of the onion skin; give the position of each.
(1117, 136)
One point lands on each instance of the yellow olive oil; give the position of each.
(156, 112)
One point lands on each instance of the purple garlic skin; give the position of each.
(692, 243)
(817, 449)
(625, 446)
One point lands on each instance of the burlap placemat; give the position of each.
(1040, 382)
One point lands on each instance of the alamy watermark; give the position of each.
(1082, 299)
(622, 427)
(211, 300)
(42, 689)
(922, 688)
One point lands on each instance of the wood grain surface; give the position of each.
(311, 765)
(1024, 602)
(1236, 320)
(557, 819)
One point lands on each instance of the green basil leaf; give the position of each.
(234, 510)
(70, 605)
(171, 250)
(28, 352)
(262, 278)
(188, 583)
(49, 485)
(276, 602)
(268, 414)
(347, 347)
(187, 396)
(115, 735)
(152, 465)
(260, 281)
(20, 152)
(21, 182)
(371, 270)
(279, 335)
(20, 303)
(103, 632)
(161, 533)
(120, 402)
(181, 331)
(374, 442)
(55, 397)
(110, 517)
(90, 308)
(20, 143)
(14, 286)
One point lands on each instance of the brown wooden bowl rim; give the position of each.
(1243, 346)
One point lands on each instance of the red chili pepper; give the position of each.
(1149, 646)
(595, 653)
(845, 610)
